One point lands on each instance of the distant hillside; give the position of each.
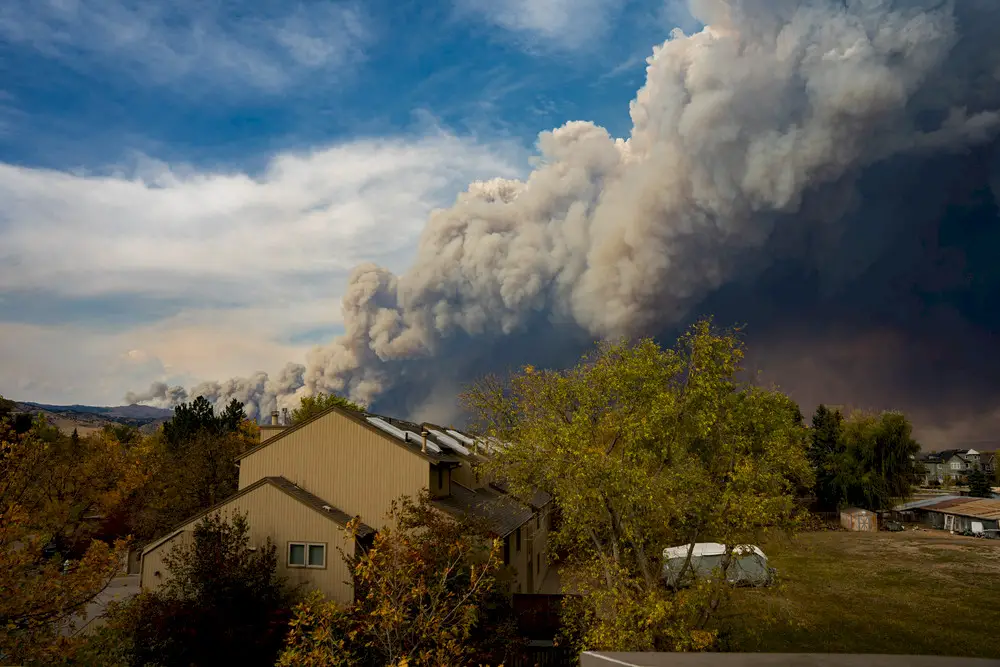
(88, 418)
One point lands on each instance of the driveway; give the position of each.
(119, 588)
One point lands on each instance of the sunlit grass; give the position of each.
(915, 592)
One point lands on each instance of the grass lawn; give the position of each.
(915, 592)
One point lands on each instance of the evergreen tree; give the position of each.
(979, 484)
(825, 452)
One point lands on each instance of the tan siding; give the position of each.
(444, 475)
(345, 463)
(519, 560)
(273, 514)
(268, 432)
(465, 476)
(152, 571)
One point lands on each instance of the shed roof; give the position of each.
(503, 513)
(923, 502)
(978, 508)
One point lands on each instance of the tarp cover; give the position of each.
(748, 566)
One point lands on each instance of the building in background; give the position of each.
(304, 482)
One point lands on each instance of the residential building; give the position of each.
(302, 483)
(954, 464)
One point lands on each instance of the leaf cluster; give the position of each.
(644, 448)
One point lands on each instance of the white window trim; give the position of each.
(305, 555)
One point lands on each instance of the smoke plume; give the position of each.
(825, 171)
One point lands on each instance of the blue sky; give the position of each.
(186, 185)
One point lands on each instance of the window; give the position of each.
(518, 540)
(506, 550)
(956, 465)
(306, 554)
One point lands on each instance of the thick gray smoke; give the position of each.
(258, 393)
(781, 141)
(160, 394)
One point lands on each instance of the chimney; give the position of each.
(274, 418)
(423, 447)
(284, 417)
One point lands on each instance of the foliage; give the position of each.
(222, 603)
(49, 486)
(191, 465)
(311, 406)
(644, 448)
(867, 460)
(420, 592)
(198, 418)
(979, 484)
(825, 444)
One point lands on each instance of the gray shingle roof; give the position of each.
(503, 514)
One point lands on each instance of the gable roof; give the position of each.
(362, 419)
(280, 483)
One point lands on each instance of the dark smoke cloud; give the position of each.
(826, 172)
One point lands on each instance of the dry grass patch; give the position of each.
(915, 592)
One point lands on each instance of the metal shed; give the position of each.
(961, 514)
(855, 518)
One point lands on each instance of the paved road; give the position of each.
(120, 587)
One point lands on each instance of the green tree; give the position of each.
(878, 466)
(222, 603)
(644, 448)
(826, 449)
(979, 484)
(422, 590)
(310, 406)
(191, 464)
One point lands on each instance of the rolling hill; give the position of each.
(89, 418)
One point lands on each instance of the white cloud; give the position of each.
(185, 41)
(253, 261)
(559, 24)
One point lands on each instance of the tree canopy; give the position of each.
(191, 465)
(644, 448)
(49, 487)
(310, 406)
(422, 593)
(867, 460)
(222, 603)
(979, 484)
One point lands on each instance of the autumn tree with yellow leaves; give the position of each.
(52, 487)
(426, 595)
(644, 448)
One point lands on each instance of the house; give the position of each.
(303, 483)
(954, 464)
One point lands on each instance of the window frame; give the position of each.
(518, 539)
(305, 555)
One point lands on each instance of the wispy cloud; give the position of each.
(187, 42)
(196, 270)
(548, 24)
